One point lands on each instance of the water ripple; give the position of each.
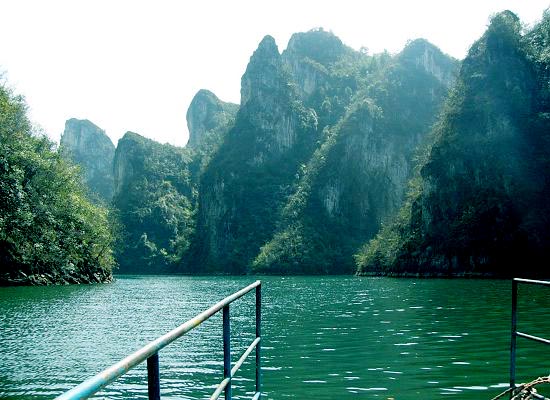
(324, 337)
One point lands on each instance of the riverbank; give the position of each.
(428, 275)
(73, 278)
(54, 278)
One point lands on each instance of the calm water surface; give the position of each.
(323, 338)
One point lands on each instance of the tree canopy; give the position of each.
(49, 231)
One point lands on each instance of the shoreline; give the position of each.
(54, 279)
(48, 279)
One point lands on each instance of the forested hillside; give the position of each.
(154, 196)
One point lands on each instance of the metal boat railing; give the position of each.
(515, 332)
(150, 352)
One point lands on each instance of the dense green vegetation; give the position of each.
(49, 230)
(479, 202)
(154, 201)
(155, 197)
(157, 188)
(327, 73)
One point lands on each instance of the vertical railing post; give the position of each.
(227, 351)
(153, 378)
(258, 334)
(514, 334)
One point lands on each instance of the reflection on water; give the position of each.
(324, 337)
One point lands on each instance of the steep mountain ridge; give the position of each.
(318, 158)
(357, 178)
(249, 176)
(477, 206)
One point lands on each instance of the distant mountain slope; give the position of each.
(151, 186)
(207, 116)
(249, 177)
(411, 162)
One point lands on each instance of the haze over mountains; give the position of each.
(441, 162)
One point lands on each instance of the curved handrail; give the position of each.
(94, 384)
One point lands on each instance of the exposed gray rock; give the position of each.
(308, 55)
(88, 146)
(206, 114)
(428, 57)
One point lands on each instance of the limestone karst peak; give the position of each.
(86, 144)
(264, 71)
(206, 114)
(317, 44)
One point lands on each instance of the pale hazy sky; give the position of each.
(136, 65)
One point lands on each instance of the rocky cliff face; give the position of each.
(310, 56)
(358, 177)
(125, 159)
(88, 146)
(206, 116)
(319, 155)
(271, 114)
(478, 204)
(431, 60)
(249, 176)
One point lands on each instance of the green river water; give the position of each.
(323, 337)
